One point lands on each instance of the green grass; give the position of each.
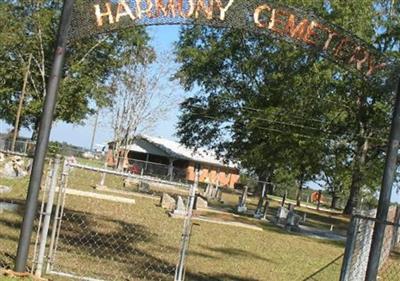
(391, 270)
(4, 278)
(141, 242)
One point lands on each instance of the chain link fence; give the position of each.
(359, 244)
(21, 146)
(103, 224)
(14, 180)
(116, 230)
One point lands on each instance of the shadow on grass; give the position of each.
(101, 247)
(236, 252)
(104, 246)
(192, 253)
(322, 270)
(217, 277)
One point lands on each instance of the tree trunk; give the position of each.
(35, 130)
(335, 200)
(356, 181)
(299, 193)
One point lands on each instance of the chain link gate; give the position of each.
(112, 233)
(359, 245)
(13, 192)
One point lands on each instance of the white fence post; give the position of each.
(47, 217)
(180, 268)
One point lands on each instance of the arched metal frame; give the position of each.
(313, 34)
(80, 20)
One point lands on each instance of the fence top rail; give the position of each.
(10, 152)
(376, 220)
(128, 175)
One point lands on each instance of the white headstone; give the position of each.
(168, 202)
(201, 203)
(282, 213)
(180, 209)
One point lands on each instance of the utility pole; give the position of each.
(21, 103)
(94, 131)
(43, 137)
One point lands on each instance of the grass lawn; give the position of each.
(391, 270)
(3, 278)
(114, 241)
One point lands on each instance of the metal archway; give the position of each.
(266, 18)
(89, 18)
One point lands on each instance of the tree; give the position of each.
(274, 106)
(30, 29)
(142, 93)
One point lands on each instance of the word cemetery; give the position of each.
(277, 20)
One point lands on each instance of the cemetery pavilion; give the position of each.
(159, 156)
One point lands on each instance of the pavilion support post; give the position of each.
(171, 169)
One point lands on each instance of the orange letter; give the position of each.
(359, 61)
(260, 24)
(100, 15)
(338, 49)
(222, 9)
(332, 35)
(311, 32)
(147, 11)
(207, 9)
(165, 10)
(373, 66)
(298, 31)
(276, 21)
(123, 10)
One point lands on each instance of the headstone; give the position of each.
(212, 192)
(219, 195)
(292, 220)
(29, 166)
(144, 187)
(281, 214)
(71, 160)
(207, 191)
(168, 202)
(180, 209)
(14, 168)
(201, 203)
(241, 207)
(266, 206)
(259, 211)
(19, 166)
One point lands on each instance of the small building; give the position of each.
(173, 161)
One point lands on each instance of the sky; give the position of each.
(163, 38)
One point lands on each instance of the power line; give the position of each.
(296, 125)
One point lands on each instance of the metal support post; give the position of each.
(43, 137)
(385, 193)
(348, 253)
(180, 269)
(59, 211)
(47, 217)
